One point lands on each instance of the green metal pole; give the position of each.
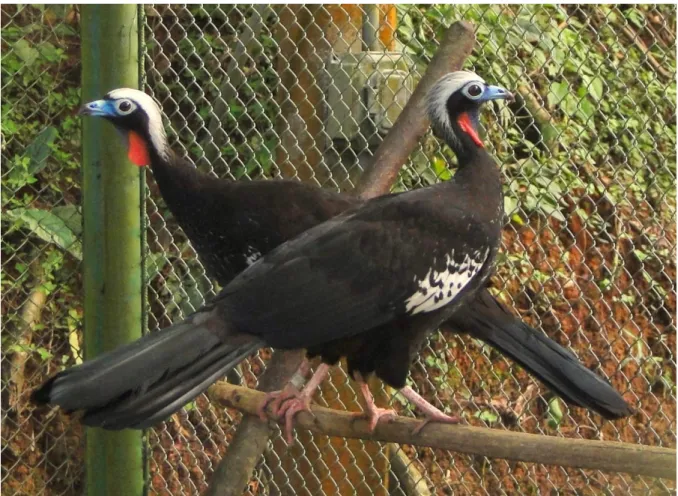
(112, 234)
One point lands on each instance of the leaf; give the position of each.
(517, 219)
(558, 92)
(440, 168)
(26, 52)
(587, 110)
(76, 350)
(59, 11)
(39, 149)
(48, 52)
(531, 31)
(154, 263)
(487, 416)
(53, 226)
(71, 216)
(596, 88)
(641, 255)
(44, 353)
(555, 413)
(550, 210)
(510, 205)
(570, 105)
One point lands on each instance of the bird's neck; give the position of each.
(463, 137)
(179, 182)
(478, 173)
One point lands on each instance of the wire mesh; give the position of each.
(259, 92)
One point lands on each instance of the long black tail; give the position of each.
(142, 383)
(559, 369)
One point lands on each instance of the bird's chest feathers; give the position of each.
(445, 279)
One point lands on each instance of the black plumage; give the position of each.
(556, 367)
(347, 277)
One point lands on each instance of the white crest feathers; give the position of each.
(442, 90)
(156, 129)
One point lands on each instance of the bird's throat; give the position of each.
(137, 149)
(466, 125)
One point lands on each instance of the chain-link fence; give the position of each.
(588, 152)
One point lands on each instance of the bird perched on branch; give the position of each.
(254, 217)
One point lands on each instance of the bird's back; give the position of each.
(232, 224)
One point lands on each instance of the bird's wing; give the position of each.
(357, 271)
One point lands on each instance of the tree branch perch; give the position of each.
(493, 443)
(412, 123)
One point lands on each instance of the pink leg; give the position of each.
(302, 402)
(431, 413)
(291, 390)
(372, 411)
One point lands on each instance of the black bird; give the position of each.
(255, 217)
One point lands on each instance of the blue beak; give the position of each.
(98, 108)
(496, 93)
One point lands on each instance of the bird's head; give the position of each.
(454, 104)
(137, 117)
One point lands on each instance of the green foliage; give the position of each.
(41, 160)
(40, 90)
(201, 63)
(61, 226)
(610, 111)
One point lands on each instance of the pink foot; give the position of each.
(290, 409)
(278, 398)
(374, 415)
(291, 390)
(372, 412)
(431, 413)
(301, 401)
(436, 417)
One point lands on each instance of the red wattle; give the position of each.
(466, 126)
(138, 150)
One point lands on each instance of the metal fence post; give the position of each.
(112, 233)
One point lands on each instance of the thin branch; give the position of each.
(635, 38)
(600, 18)
(412, 123)
(607, 456)
(541, 116)
(30, 317)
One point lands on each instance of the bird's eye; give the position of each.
(125, 107)
(473, 91)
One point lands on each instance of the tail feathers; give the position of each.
(558, 368)
(170, 364)
(151, 405)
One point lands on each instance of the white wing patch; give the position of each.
(438, 288)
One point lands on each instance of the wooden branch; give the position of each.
(607, 456)
(541, 117)
(30, 317)
(412, 482)
(234, 470)
(412, 123)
